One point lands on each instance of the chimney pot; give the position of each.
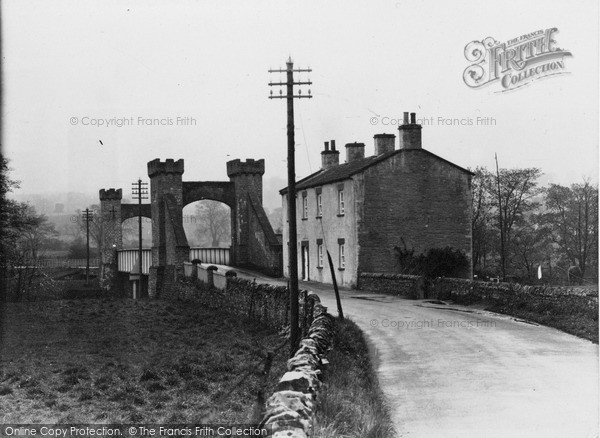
(329, 157)
(410, 134)
(406, 118)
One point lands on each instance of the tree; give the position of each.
(37, 233)
(482, 220)
(572, 219)
(531, 246)
(512, 194)
(214, 222)
(23, 232)
(275, 217)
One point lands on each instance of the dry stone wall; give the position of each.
(290, 410)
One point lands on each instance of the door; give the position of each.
(305, 262)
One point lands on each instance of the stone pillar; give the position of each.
(111, 238)
(169, 249)
(246, 177)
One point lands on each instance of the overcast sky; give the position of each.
(209, 60)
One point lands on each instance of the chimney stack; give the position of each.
(354, 151)
(410, 133)
(329, 157)
(384, 143)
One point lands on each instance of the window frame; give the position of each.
(320, 255)
(341, 202)
(342, 256)
(319, 204)
(304, 206)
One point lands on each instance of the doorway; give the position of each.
(305, 264)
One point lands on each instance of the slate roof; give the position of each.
(346, 170)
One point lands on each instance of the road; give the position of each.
(453, 371)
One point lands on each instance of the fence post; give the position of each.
(210, 275)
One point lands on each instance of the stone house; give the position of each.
(362, 209)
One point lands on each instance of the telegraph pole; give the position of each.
(87, 216)
(501, 223)
(140, 191)
(291, 168)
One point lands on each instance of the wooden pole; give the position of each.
(335, 287)
(87, 233)
(293, 245)
(501, 223)
(291, 193)
(139, 289)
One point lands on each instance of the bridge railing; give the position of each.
(66, 263)
(127, 258)
(218, 256)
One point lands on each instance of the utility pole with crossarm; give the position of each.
(140, 191)
(87, 216)
(291, 167)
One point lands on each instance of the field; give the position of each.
(126, 361)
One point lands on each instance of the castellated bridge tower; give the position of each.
(246, 177)
(111, 235)
(169, 244)
(254, 243)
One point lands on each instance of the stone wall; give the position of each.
(462, 291)
(264, 303)
(290, 410)
(562, 298)
(411, 286)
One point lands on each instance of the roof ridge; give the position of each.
(346, 170)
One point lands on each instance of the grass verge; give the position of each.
(351, 403)
(126, 361)
(583, 324)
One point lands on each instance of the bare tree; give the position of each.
(514, 192)
(37, 232)
(572, 218)
(23, 233)
(214, 222)
(482, 219)
(530, 247)
(275, 217)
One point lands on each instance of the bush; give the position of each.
(437, 262)
(445, 262)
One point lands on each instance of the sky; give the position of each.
(70, 64)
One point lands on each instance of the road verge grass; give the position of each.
(567, 318)
(351, 403)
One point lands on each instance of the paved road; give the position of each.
(451, 371)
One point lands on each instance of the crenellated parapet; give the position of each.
(248, 167)
(111, 194)
(169, 166)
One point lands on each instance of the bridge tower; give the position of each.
(111, 239)
(246, 177)
(169, 244)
